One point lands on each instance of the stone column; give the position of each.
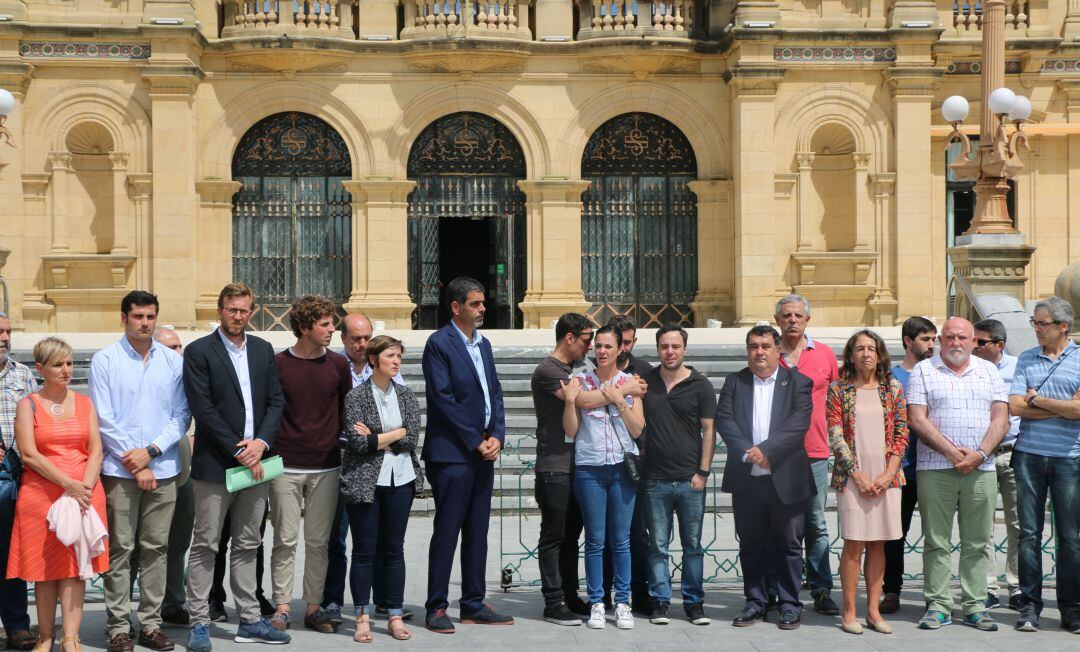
(716, 246)
(756, 270)
(37, 313)
(883, 303)
(213, 230)
(1071, 89)
(804, 209)
(380, 248)
(172, 114)
(912, 90)
(123, 226)
(60, 163)
(864, 219)
(1072, 21)
(553, 241)
(142, 184)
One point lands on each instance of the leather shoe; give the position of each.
(890, 604)
(790, 620)
(824, 604)
(748, 616)
(156, 640)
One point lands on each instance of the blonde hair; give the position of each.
(50, 350)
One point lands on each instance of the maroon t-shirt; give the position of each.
(314, 403)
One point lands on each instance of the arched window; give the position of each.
(639, 221)
(292, 218)
(467, 217)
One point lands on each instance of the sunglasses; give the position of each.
(585, 336)
(981, 342)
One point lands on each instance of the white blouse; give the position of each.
(397, 468)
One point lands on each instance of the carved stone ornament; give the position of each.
(287, 59)
(458, 61)
(642, 62)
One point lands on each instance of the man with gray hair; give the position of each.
(816, 361)
(16, 381)
(1045, 394)
(990, 336)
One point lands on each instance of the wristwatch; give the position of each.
(1031, 400)
(704, 472)
(153, 451)
(986, 458)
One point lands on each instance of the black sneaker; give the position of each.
(1071, 625)
(578, 606)
(1027, 620)
(992, 601)
(695, 613)
(824, 604)
(1014, 601)
(559, 614)
(439, 622)
(486, 616)
(659, 614)
(217, 612)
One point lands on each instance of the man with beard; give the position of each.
(918, 335)
(958, 405)
(16, 382)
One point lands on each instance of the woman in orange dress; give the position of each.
(57, 434)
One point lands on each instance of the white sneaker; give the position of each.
(597, 617)
(624, 618)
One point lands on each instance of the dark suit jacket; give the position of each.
(785, 448)
(217, 406)
(455, 399)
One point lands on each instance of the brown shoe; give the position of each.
(319, 622)
(21, 640)
(121, 643)
(890, 604)
(155, 639)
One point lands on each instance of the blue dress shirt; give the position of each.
(473, 347)
(139, 405)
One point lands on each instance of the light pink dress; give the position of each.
(862, 518)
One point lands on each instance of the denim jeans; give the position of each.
(1037, 475)
(818, 570)
(666, 499)
(13, 602)
(606, 497)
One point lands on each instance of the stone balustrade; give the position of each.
(481, 18)
(314, 17)
(613, 18)
(965, 16)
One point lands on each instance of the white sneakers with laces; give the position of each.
(624, 618)
(597, 617)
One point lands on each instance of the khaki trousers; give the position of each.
(212, 503)
(313, 496)
(146, 515)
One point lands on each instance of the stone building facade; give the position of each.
(682, 159)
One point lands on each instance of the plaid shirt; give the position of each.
(957, 405)
(16, 381)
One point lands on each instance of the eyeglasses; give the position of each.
(239, 312)
(1042, 324)
(981, 342)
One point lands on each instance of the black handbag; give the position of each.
(10, 475)
(631, 461)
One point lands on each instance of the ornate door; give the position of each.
(639, 222)
(292, 218)
(467, 217)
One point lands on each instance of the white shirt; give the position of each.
(763, 398)
(397, 468)
(238, 355)
(358, 378)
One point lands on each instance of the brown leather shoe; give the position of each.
(121, 643)
(890, 604)
(21, 640)
(319, 622)
(155, 639)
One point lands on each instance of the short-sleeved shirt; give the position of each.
(911, 456)
(818, 363)
(16, 381)
(1007, 368)
(957, 404)
(673, 425)
(602, 438)
(1056, 437)
(553, 452)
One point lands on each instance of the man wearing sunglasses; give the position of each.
(990, 335)
(1045, 394)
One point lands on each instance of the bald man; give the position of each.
(356, 331)
(958, 406)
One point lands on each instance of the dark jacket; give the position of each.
(361, 460)
(217, 406)
(455, 399)
(785, 448)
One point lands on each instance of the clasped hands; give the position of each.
(136, 461)
(250, 455)
(756, 456)
(872, 488)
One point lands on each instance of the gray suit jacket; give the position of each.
(361, 460)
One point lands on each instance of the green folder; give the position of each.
(240, 477)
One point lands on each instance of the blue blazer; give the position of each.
(455, 399)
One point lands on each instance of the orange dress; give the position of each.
(36, 555)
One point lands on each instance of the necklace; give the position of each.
(57, 409)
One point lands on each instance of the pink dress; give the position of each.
(862, 518)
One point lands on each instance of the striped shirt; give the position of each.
(957, 404)
(1057, 437)
(16, 381)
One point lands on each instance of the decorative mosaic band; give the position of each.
(109, 50)
(837, 54)
(1061, 65)
(1012, 67)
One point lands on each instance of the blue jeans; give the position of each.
(1037, 475)
(667, 499)
(818, 570)
(606, 496)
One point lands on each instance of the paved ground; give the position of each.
(723, 599)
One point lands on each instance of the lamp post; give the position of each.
(996, 160)
(7, 105)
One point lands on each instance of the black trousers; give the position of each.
(762, 519)
(560, 529)
(894, 550)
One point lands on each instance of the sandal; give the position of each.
(396, 627)
(72, 639)
(363, 629)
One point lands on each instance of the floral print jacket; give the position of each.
(840, 416)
